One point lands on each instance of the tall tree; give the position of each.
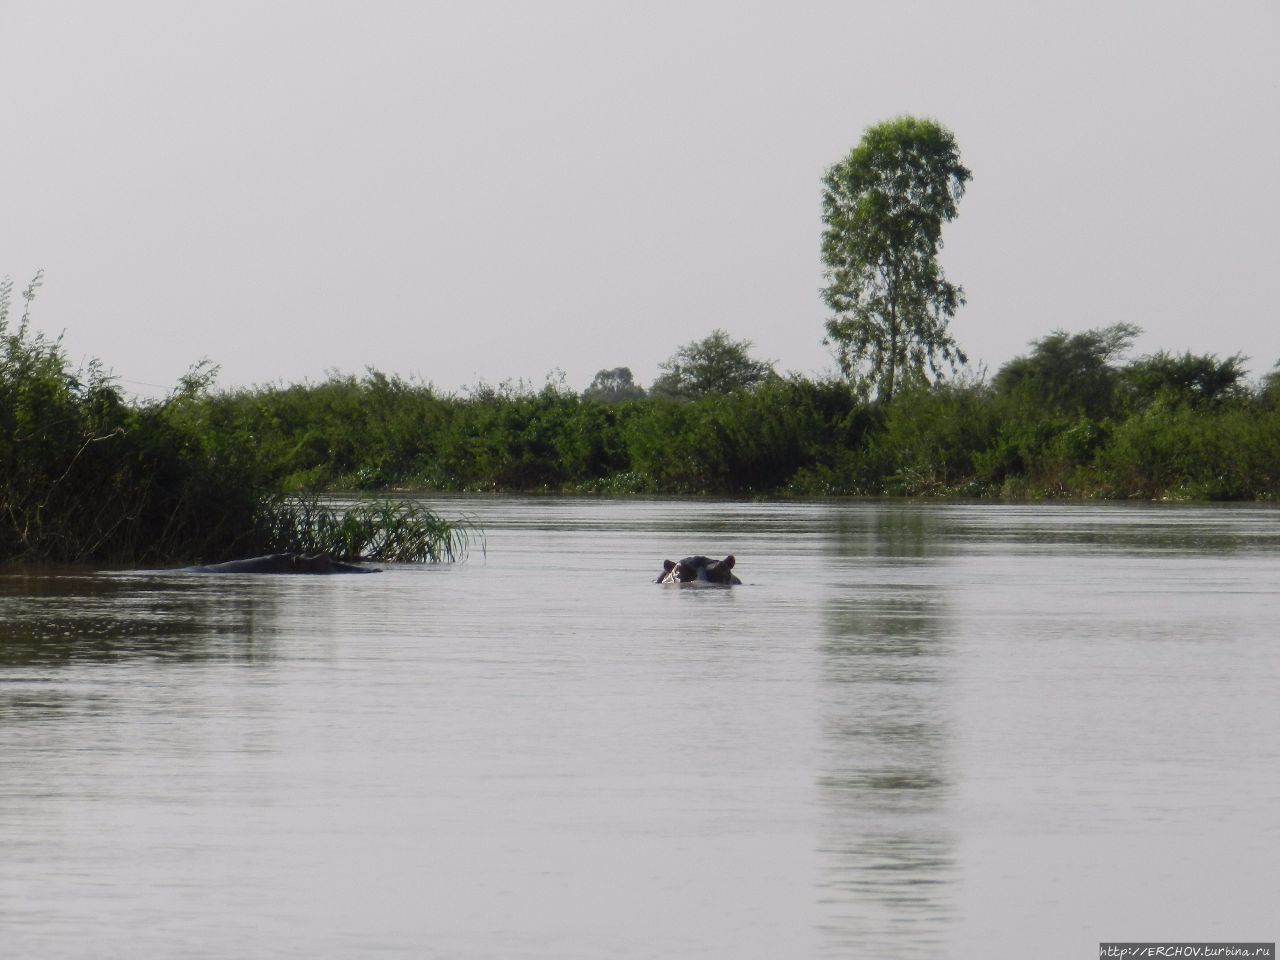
(884, 206)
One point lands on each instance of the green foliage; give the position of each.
(884, 206)
(787, 432)
(1075, 421)
(390, 530)
(1184, 454)
(932, 440)
(1055, 408)
(716, 364)
(85, 476)
(1172, 379)
(375, 432)
(613, 386)
(1070, 374)
(530, 441)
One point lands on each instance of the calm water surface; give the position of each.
(915, 731)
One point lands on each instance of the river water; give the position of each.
(916, 730)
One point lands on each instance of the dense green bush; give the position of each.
(86, 476)
(348, 433)
(933, 440)
(1229, 454)
(785, 436)
(1070, 374)
(1172, 380)
(785, 433)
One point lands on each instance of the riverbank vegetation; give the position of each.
(1071, 418)
(398, 530)
(86, 474)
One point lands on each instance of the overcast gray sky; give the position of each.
(459, 191)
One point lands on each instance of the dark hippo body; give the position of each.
(283, 563)
(698, 570)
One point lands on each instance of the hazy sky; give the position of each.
(469, 190)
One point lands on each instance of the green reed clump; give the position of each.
(390, 530)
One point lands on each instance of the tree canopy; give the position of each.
(1070, 372)
(1187, 378)
(884, 206)
(715, 364)
(613, 386)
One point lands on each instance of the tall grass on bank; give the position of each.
(389, 530)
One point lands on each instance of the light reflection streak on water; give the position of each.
(887, 843)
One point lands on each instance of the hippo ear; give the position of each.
(729, 561)
(668, 565)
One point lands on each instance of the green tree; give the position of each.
(1269, 389)
(715, 364)
(884, 206)
(1070, 373)
(1198, 380)
(613, 386)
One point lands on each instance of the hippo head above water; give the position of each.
(698, 570)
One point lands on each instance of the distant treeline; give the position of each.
(1067, 420)
(86, 474)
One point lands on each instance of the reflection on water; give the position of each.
(915, 731)
(889, 853)
(60, 619)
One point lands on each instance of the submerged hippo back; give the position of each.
(283, 563)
